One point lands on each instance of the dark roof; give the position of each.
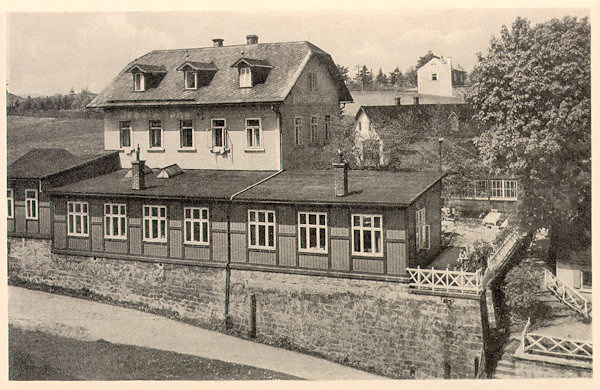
(41, 163)
(287, 59)
(253, 62)
(198, 66)
(379, 115)
(209, 184)
(378, 188)
(408, 98)
(145, 68)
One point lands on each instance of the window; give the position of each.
(139, 82)
(480, 188)
(186, 134)
(155, 134)
(31, 204)
(253, 132)
(218, 132)
(510, 189)
(191, 79)
(155, 223)
(496, 190)
(367, 234)
(433, 76)
(298, 130)
(11, 203)
(314, 130)
(327, 127)
(196, 225)
(586, 279)
(312, 232)
(115, 221)
(422, 230)
(245, 77)
(77, 213)
(261, 229)
(125, 134)
(312, 81)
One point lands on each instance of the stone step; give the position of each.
(505, 364)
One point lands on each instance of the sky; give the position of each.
(52, 52)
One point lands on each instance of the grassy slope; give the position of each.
(79, 136)
(35, 355)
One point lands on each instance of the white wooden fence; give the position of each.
(554, 346)
(435, 280)
(567, 295)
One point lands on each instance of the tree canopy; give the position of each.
(532, 89)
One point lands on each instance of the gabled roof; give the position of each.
(144, 68)
(380, 115)
(288, 59)
(41, 163)
(252, 63)
(198, 66)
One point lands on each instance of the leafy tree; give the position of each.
(364, 78)
(424, 59)
(396, 77)
(532, 90)
(410, 77)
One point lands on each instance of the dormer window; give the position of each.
(139, 82)
(251, 71)
(146, 76)
(245, 77)
(191, 79)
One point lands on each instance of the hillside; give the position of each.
(78, 136)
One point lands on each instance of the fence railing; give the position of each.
(434, 280)
(502, 253)
(533, 343)
(566, 294)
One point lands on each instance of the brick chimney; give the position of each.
(341, 176)
(251, 39)
(138, 180)
(217, 42)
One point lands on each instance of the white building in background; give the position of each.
(439, 77)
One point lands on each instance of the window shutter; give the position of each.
(209, 138)
(426, 237)
(418, 237)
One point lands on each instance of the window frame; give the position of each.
(318, 227)
(213, 130)
(142, 82)
(254, 132)
(245, 77)
(314, 130)
(298, 130)
(181, 138)
(109, 220)
(422, 230)
(152, 129)
(506, 189)
(81, 216)
(201, 221)
(33, 201)
(10, 197)
(372, 229)
(158, 218)
(186, 79)
(434, 77)
(129, 129)
(256, 223)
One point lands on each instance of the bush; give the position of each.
(475, 257)
(520, 289)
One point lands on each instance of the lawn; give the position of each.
(35, 355)
(77, 135)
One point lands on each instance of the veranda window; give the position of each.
(367, 232)
(312, 232)
(155, 223)
(31, 204)
(261, 229)
(196, 225)
(115, 221)
(78, 218)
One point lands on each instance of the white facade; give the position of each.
(435, 77)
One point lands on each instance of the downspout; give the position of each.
(228, 321)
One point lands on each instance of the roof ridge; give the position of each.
(227, 46)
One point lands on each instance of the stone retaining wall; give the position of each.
(372, 325)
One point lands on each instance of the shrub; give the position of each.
(475, 257)
(520, 289)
